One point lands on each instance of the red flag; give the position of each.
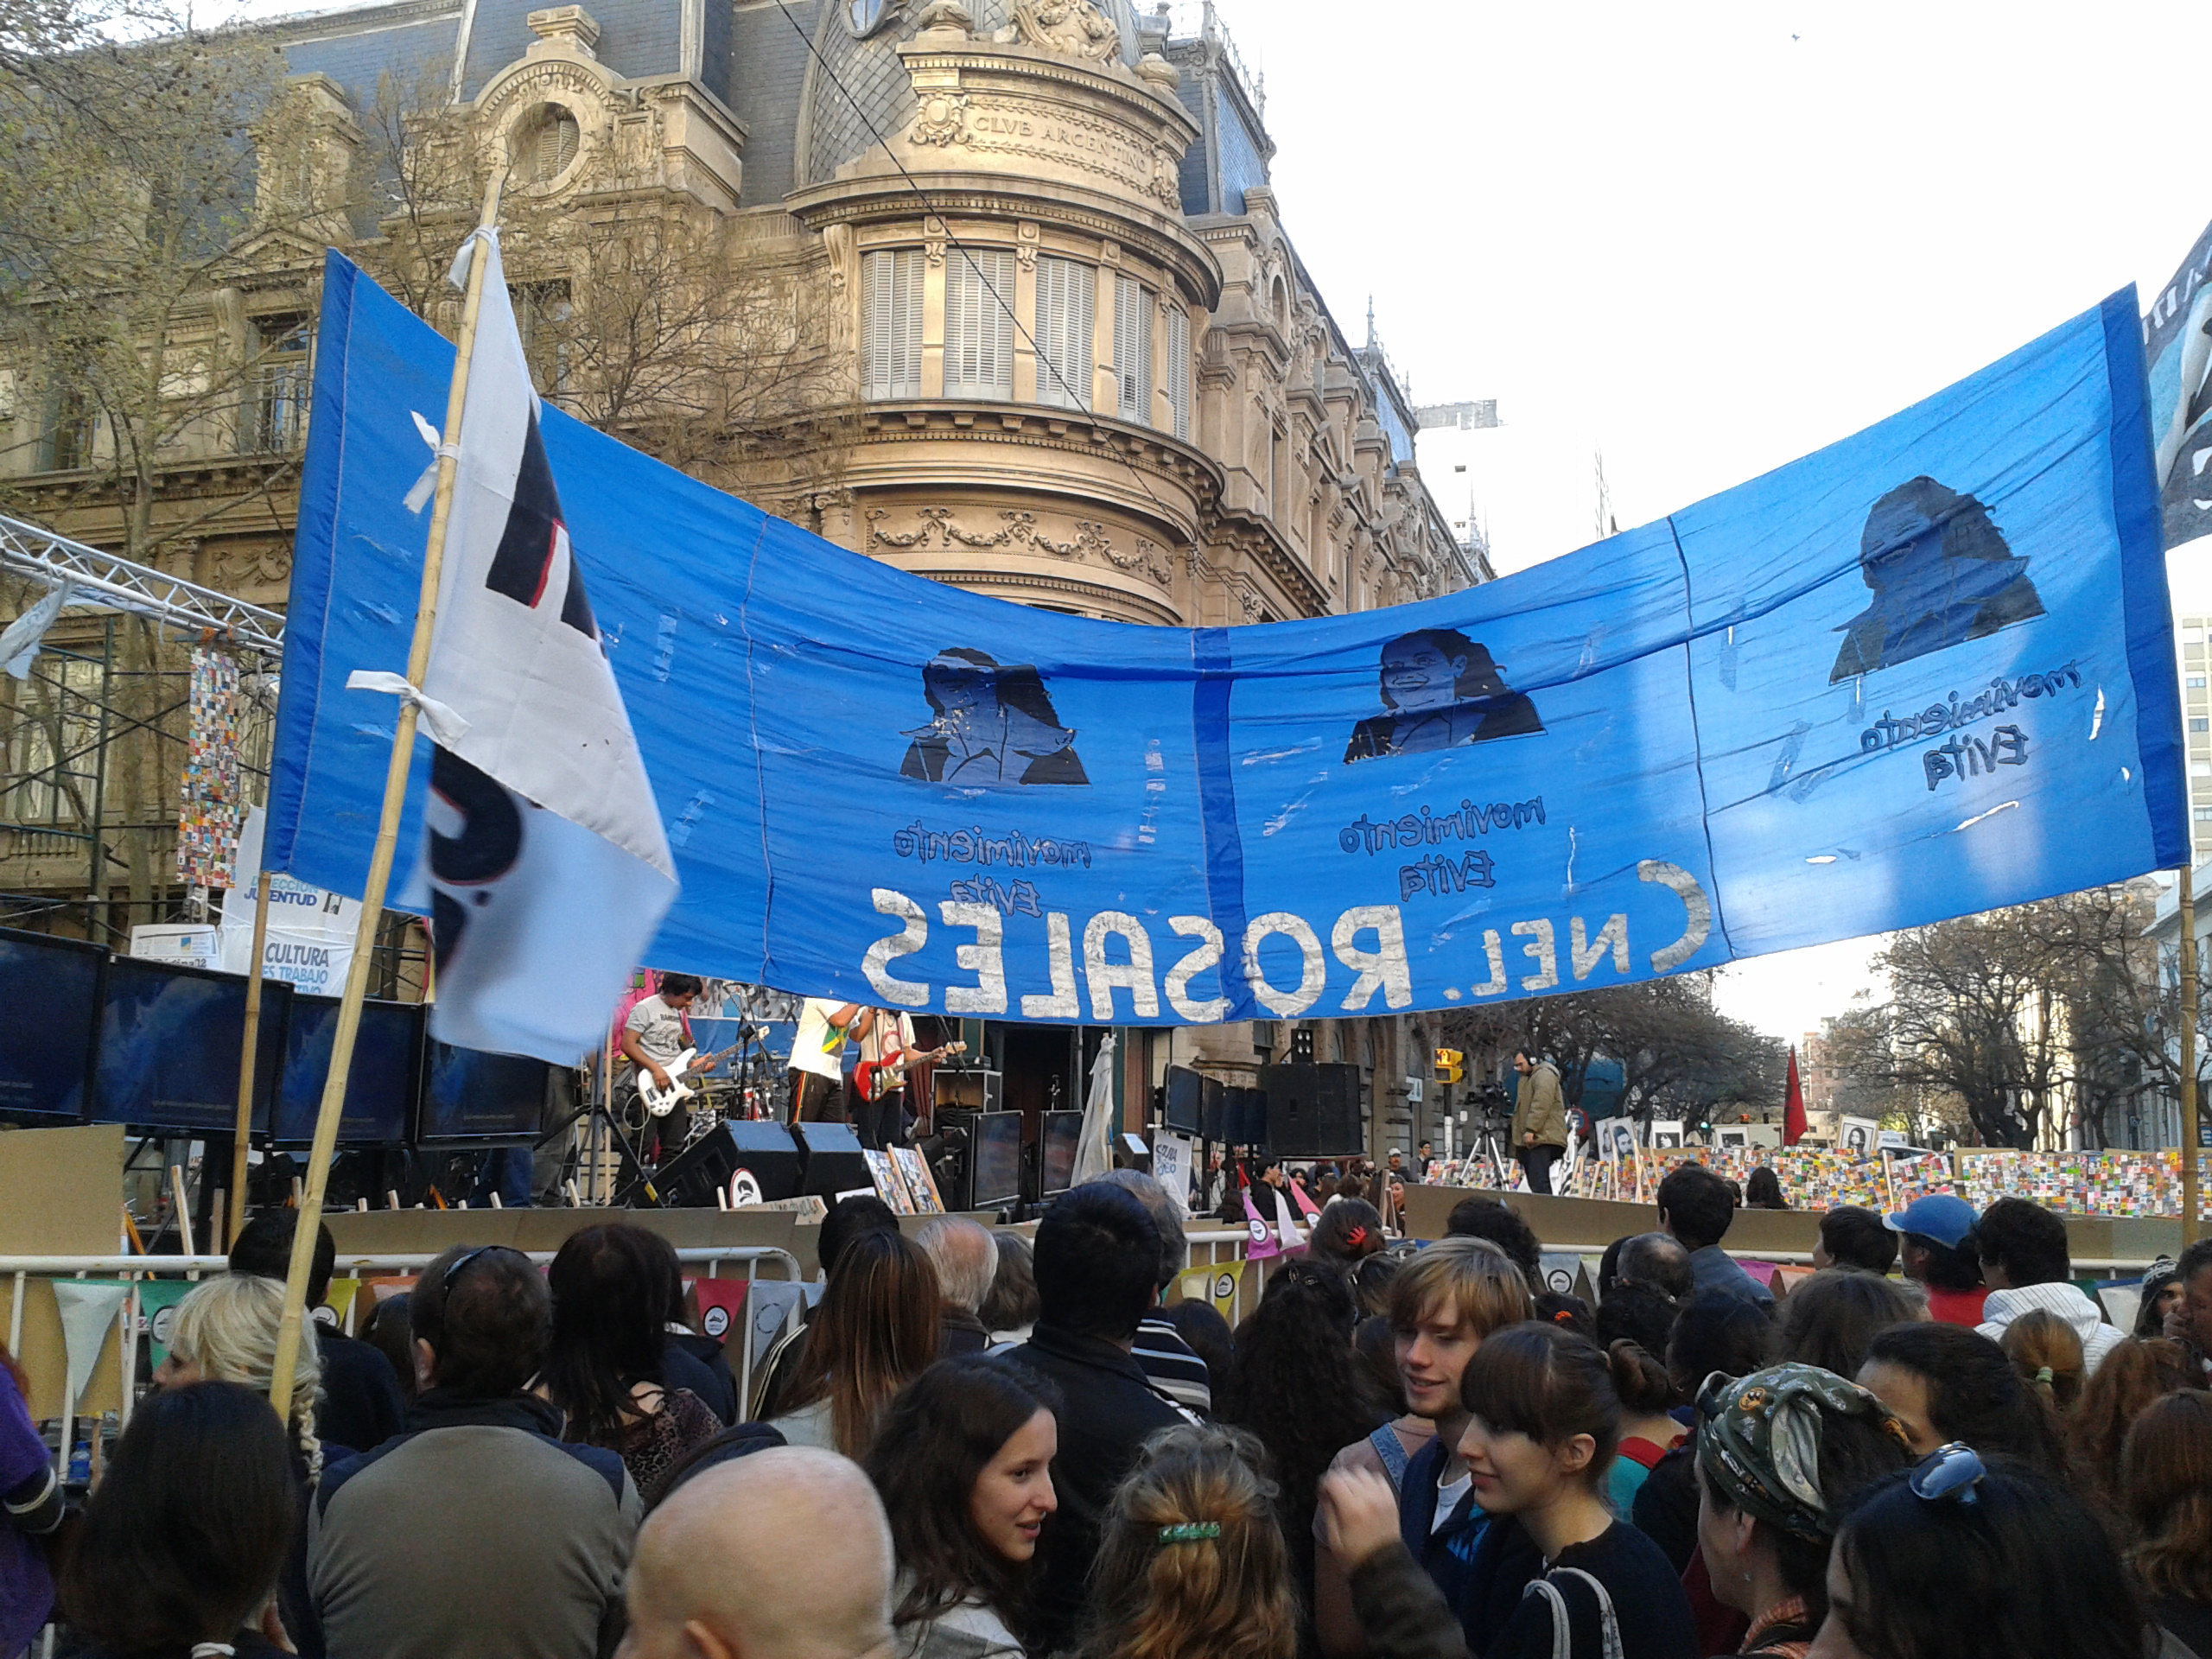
(1793, 1112)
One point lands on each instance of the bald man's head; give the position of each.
(784, 1554)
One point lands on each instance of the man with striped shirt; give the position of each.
(1166, 1360)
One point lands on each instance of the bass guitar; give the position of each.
(873, 1079)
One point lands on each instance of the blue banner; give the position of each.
(1925, 671)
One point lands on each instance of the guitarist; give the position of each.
(880, 1123)
(817, 1068)
(658, 1030)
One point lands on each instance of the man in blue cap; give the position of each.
(1937, 1234)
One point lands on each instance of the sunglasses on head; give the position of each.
(1949, 1471)
(461, 1260)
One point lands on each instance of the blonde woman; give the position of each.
(1191, 1562)
(224, 1330)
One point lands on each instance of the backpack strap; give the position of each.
(1388, 1447)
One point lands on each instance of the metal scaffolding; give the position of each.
(107, 581)
(68, 718)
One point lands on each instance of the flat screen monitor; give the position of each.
(170, 1040)
(1060, 1134)
(994, 1152)
(1186, 1099)
(472, 1098)
(49, 1014)
(381, 1084)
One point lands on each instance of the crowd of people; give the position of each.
(992, 1444)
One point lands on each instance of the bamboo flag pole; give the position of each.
(244, 1131)
(2189, 1109)
(307, 1226)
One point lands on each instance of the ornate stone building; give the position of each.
(1080, 363)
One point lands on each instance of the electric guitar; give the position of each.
(873, 1079)
(661, 1102)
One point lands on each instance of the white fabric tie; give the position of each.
(19, 643)
(445, 727)
(458, 275)
(212, 1649)
(424, 487)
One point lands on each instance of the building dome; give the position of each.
(857, 92)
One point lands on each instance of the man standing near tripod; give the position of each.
(1538, 1118)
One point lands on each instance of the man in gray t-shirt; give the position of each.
(653, 1035)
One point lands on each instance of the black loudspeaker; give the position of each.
(691, 1179)
(1311, 1111)
(833, 1161)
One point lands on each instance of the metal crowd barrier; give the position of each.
(22, 1268)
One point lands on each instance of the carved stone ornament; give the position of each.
(945, 15)
(933, 240)
(1156, 71)
(1074, 28)
(1164, 186)
(1027, 235)
(935, 529)
(941, 120)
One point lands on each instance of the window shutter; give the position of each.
(891, 301)
(1178, 368)
(1065, 294)
(1133, 348)
(978, 326)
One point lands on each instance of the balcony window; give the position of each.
(891, 319)
(277, 387)
(1065, 299)
(1178, 368)
(1133, 348)
(978, 324)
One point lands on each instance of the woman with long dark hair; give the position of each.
(1964, 1554)
(183, 1539)
(962, 1461)
(876, 1332)
(1298, 1384)
(1946, 1383)
(613, 1285)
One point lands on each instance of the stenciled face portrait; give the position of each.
(1418, 675)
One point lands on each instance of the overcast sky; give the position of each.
(1707, 239)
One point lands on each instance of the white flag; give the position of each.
(547, 870)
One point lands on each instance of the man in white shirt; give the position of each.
(817, 1069)
(888, 1039)
(656, 1033)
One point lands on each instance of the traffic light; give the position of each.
(1449, 1065)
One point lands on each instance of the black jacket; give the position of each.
(1106, 1409)
(361, 1404)
(699, 1363)
(1479, 1563)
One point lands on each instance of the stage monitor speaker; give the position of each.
(1311, 1111)
(764, 1150)
(1214, 1113)
(831, 1161)
(1244, 1118)
(965, 1089)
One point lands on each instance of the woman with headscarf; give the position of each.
(1780, 1455)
